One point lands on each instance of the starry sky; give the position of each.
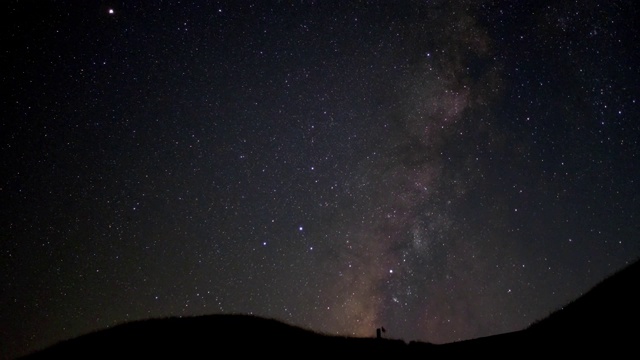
(445, 169)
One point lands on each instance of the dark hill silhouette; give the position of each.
(211, 336)
(600, 322)
(607, 314)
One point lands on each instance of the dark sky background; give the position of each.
(445, 169)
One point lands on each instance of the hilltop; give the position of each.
(603, 319)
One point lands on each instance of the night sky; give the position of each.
(445, 169)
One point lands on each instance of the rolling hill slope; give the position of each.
(602, 320)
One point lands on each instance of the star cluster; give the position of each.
(447, 170)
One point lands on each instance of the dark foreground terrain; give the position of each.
(602, 322)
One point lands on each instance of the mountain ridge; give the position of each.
(601, 319)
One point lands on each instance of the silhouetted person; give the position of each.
(379, 332)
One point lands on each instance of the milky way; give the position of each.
(403, 229)
(447, 170)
